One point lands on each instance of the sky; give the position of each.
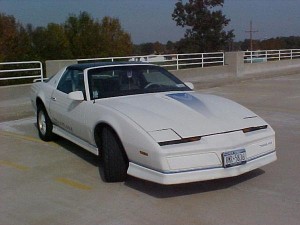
(151, 20)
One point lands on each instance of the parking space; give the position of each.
(59, 183)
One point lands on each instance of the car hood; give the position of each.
(188, 114)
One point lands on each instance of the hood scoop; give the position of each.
(191, 102)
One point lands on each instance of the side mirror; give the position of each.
(190, 85)
(76, 96)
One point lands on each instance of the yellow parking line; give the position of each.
(14, 165)
(26, 138)
(73, 184)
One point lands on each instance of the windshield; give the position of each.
(131, 80)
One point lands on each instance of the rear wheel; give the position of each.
(44, 124)
(115, 162)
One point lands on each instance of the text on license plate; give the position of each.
(234, 158)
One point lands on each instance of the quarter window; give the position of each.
(72, 80)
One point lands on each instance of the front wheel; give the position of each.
(44, 124)
(115, 162)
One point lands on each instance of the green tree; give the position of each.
(115, 42)
(14, 40)
(205, 24)
(83, 33)
(50, 42)
(8, 34)
(273, 43)
(90, 38)
(19, 47)
(171, 47)
(147, 48)
(78, 37)
(292, 42)
(255, 45)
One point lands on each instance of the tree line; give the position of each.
(292, 42)
(80, 36)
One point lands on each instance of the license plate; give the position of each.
(234, 158)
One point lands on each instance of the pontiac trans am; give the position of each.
(145, 122)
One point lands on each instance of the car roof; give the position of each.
(83, 66)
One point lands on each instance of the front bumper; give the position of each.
(200, 174)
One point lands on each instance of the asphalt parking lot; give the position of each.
(59, 183)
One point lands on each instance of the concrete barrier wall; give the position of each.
(235, 69)
(283, 67)
(53, 66)
(196, 74)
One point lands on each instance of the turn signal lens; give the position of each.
(180, 141)
(250, 129)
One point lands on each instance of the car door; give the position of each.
(66, 113)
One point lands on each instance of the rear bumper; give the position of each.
(201, 174)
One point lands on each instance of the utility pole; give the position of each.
(251, 31)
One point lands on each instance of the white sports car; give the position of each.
(145, 122)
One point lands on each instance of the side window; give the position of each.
(71, 80)
(65, 83)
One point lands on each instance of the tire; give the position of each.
(44, 124)
(115, 162)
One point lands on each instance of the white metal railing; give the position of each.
(270, 55)
(31, 67)
(176, 61)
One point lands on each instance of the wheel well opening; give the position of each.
(39, 103)
(98, 136)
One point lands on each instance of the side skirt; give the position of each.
(60, 132)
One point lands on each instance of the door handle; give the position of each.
(53, 98)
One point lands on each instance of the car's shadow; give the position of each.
(82, 153)
(77, 150)
(168, 191)
(158, 190)
(74, 149)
